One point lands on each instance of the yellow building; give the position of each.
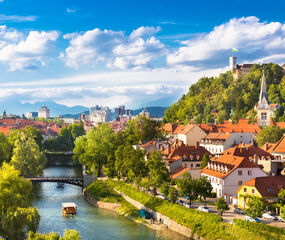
(265, 187)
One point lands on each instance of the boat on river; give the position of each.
(68, 208)
(60, 185)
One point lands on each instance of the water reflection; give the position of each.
(91, 223)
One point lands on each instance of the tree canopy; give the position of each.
(15, 200)
(68, 235)
(269, 134)
(27, 157)
(227, 96)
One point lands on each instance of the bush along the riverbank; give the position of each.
(206, 225)
(103, 192)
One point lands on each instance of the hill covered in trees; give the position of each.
(228, 98)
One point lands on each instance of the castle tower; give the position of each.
(233, 64)
(264, 110)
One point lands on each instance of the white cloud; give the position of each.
(16, 18)
(115, 48)
(71, 10)
(21, 52)
(248, 34)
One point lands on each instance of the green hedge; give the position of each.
(264, 230)
(206, 225)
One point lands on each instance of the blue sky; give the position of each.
(135, 53)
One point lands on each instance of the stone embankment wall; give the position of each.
(110, 206)
(174, 226)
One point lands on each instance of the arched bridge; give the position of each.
(78, 181)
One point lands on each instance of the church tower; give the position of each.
(264, 109)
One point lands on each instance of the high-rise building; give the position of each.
(145, 113)
(44, 112)
(31, 114)
(100, 114)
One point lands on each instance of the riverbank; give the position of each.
(101, 195)
(200, 224)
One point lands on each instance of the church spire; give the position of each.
(263, 92)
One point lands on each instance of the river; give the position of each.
(92, 223)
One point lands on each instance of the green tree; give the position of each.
(204, 188)
(35, 134)
(5, 149)
(158, 172)
(164, 189)
(205, 161)
(130, 163)
(269, 134)
(77, 130)
(187, 186)
(221, 205)
(99, 149)
(255, 206)
(173, 194)
(281, 194)
(68, 235)
(16, 197)
(27, 157)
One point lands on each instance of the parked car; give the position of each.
(279, 218)
(187, 204)
(181, 202)
(269, 216)
(204, 209)
(145, 214)
(160, 196)
(238, 211)
(250, 219)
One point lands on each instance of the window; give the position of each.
(249, 173)
(253, 191)
(198, 165)
(191, 165)
(263, 116)
(239, 183)
(244, 189)
(240, 172)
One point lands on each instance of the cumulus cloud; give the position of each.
(21, 52)
(253, 38)
(115, 48)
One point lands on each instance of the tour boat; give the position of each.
(69, 208)
(60, 185)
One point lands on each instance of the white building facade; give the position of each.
(216, 143)
(44, 112)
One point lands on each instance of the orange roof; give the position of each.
(179, 129)
(169, 127)
(242, 126)
(268, 147)
(243, 150)
(280, 124)
(187, 128)
(207, 127)
(178, 172)
(147, 144)
(188, 153)
(231, 162)
(280, 146)
(5, 130)
(267, 186)
(217, 136)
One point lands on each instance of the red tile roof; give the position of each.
(267, 186)
(187, 128)
(280, 146)
(178, 172)
(169, 127)
(242, 126)
(217, 136)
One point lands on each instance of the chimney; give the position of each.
(255, 159)
(266, 146)
(197, 145)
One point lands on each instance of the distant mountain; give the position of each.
(154, 111)
(12, 106)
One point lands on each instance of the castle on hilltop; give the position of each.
(239, 71)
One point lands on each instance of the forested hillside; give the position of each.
(229, 98)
